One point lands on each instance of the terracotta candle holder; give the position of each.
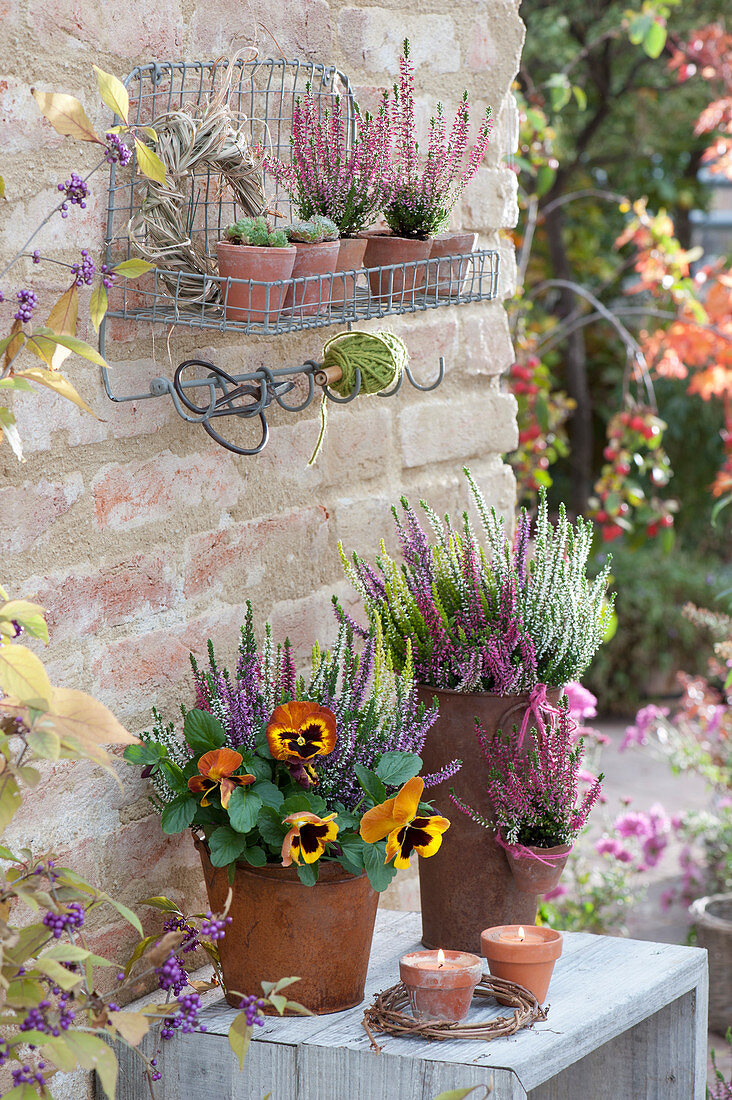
(526, 956)
(440, 983)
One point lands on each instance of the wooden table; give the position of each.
(627, 1021)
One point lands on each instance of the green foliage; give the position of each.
(257, 232)
(313, 231)
(653, 637)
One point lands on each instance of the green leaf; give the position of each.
(541, 409)
(165, 905)
(94, 1054)
(308, 873)
(132, 269)
(240, 1034)
(14, 383)
(278, 1001)
(255, 856)
(146, 753)
(226, 846)
(654, 40)
(98, 305)
(544, 179)
(270, 826)
(277, 987)
(176, 779)
(203, 732)
(2, 188)
(352, 852)
(139, 951)
(23, 676)
(254, 765)
(302, 801)
(125, 912)
(149, 163)
(29, 615)
(380, 873)
(58, 974)
(24, 993)
(639, 27)
(10, 802)
(581, 96)
(21, 1092)
(45, 743)
(395, 768)
(268, 793)
(244, 810)
(178, 814)
(371, 783)
(86, 351)
(460, 1094)
(113, 93)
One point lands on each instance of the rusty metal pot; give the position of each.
(468, 884)
(280, 929)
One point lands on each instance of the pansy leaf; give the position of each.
(254, 765)
(203, 732)
(371, 783)
(176, 780)
(307, 873)
(255, 856)
(270, 826)
(244, 810)
(226, 846)
(268, 793)
(178, 814)
(380, 873)
(352, 853)
(263, 745)
(395, 768)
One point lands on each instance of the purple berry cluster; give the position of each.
(57, 923)
(4, 1052)
(186, 1016)
(26, 1075)
(214, 928)
(84, 272)
(252, 1007)
(171, 975)
(76, 191)
(27, 302)
(179, 924)
(36, 257)
(108, 276)
(116, 151)
(48, 1018)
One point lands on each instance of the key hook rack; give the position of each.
(262, 94)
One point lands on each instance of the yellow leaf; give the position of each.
(14, 343)
(98, 305)
(149, 163)
(23, 676)
(45, 743)
(86, 719)
(2, 188)
(57, 383)
(62, 320)
(10, 801)
(86, 351)
(132, 1026)
(132, 269)
(29, 615)
(113, 92)
(66, 115)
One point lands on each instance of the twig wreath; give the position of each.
(193, 140)
(387, 1014)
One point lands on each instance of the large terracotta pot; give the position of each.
(251, 302)
(447, 276)
(351, 252)
(281, 928)
(311, 260)
(396, 287)
(468, 885)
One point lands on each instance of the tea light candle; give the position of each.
(440, 983)
(522, 955)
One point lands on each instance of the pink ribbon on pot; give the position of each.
(519, 851)
(538, 702)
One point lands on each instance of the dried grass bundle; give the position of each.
(205, 150)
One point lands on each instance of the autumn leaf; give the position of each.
(98, 305)
(10, 432)
(56, 382)
(113, 92)
(14, 342)
(132, 269)
(23, 676)
(85, 718)
(66, 115)
(149, 163)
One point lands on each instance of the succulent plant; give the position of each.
(258, 232)
(313, 231)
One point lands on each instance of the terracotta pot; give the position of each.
(467, 885)
(531, 875)
(529, 964)
(312, 260)
(251, 302)
(440, 994)
(713, 919)
(447, 276)
(350, 258)
(396, 287)
(281, 928)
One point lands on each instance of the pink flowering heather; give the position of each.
(425, 189)
(645, 721)
(534, 788)
(330, 176)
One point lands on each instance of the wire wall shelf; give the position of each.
(260, 96)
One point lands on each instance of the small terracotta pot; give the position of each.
(280, 928)
(312, 260)
(350, 258)
(448, 275)
(440, 994)
(383, 250)
(533, 876)
(530, 964)
(251, 302)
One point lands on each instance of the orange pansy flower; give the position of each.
(301, 731)
(397, 819)
(216, 770)
(307, 838)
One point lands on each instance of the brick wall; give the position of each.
(139, 534)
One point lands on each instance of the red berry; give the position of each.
(609, 454)
(652, 530)
(601, 517)
(622, 469)
(638, 424)
(666, 521)
(611, 531)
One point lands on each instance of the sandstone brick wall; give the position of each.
(139, 534)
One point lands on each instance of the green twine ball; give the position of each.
(380, 356)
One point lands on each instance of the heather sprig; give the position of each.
(426, 188)
(330, 174)
(534, 787)
(486, 618)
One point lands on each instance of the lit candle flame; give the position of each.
(440, 958)
(521, 934)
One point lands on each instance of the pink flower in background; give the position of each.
(558, 892)
(610, 846)
(582, 703)
(645, 719)
(634, 824)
